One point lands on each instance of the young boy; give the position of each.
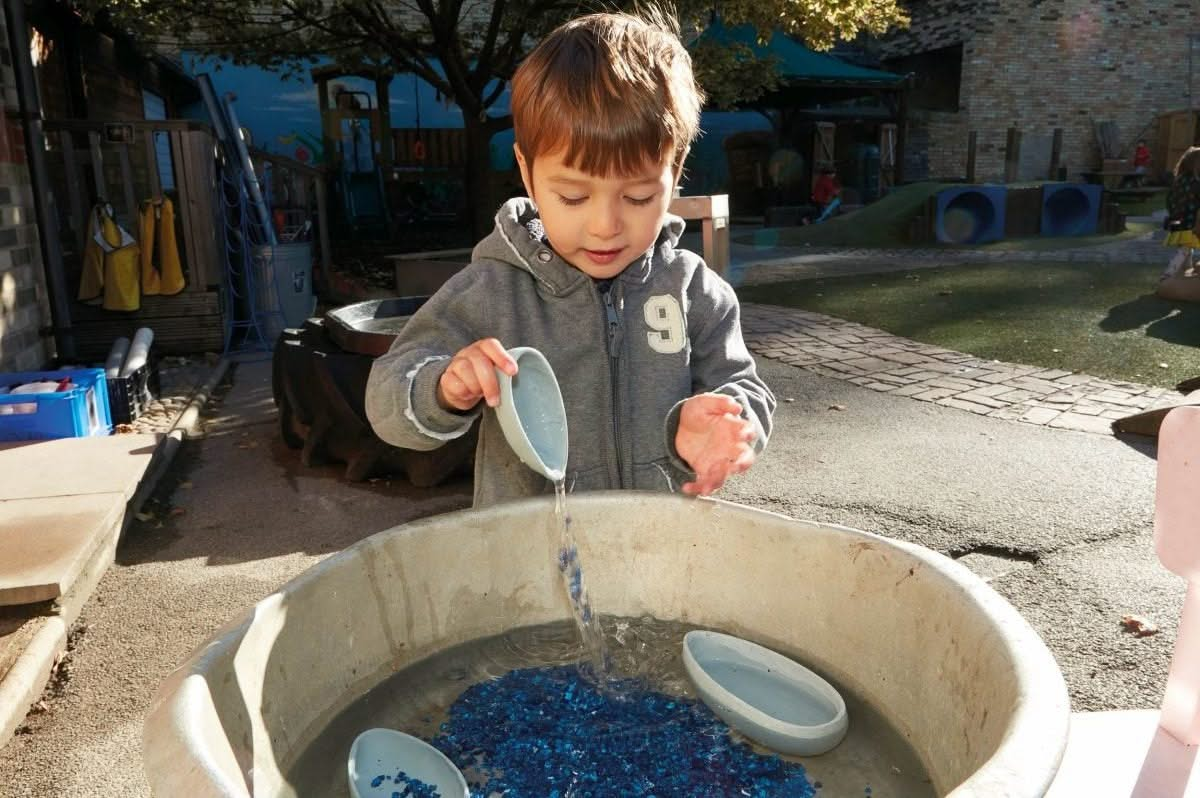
(659, 388)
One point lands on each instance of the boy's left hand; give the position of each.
(714, 440)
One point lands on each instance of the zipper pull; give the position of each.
(614, 325)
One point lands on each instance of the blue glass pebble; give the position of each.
(540, 732)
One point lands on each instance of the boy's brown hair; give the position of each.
(614, 90)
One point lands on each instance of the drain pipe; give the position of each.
(30, 114)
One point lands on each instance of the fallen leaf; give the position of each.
(1164, 366)
(1055, 350)
(837, 407)
(789, 399)
(1139, 626)
(143, 517)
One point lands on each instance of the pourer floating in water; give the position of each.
(532, 415)
(387, 762)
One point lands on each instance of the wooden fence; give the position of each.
(122, 162)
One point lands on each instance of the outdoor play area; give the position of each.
(888, 493)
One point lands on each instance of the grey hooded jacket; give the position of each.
(625, 359)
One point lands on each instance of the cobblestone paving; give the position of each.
(887, 363)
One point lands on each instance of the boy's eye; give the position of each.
(572, 200)
(641, 200)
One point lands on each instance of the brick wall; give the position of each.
(1042, 64)
(24, 309)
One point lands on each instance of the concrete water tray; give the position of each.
(957, 671)
(369, 327)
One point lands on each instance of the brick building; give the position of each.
(1037, 65)
(79, 72)
(24, 310)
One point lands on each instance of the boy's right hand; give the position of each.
(471, 375)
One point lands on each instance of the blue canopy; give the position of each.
(797, 63)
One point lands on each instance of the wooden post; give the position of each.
(74, 189)
(327, 132)
(127, 183)
(713, 214)
(97, 166)
(152, 175)
(887, 157)
(1012, 155)
(972, 147)
(323, 230)
(1056, 153)
(385, 125)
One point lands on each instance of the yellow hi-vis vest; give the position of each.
(110, 263)
(156, 224)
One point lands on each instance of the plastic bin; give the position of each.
(78, 412)
(283, 290)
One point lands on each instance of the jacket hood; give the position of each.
(520, 241)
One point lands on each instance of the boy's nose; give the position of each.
(605, 223)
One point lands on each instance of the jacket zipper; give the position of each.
(614, 356)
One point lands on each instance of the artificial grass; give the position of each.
(1101, 319)
(882, 224)
(1144, 206)
(1050, 243)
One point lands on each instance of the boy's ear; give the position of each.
(526, 172)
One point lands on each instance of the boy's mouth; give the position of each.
(602, 256)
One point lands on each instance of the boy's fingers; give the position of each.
(498, 355)
(485, 375)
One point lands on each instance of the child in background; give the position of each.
(1183, 202)
(659, 388)
(826, 194)
(1141, 161)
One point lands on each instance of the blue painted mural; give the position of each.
(283, 117)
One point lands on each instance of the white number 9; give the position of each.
(667, 334)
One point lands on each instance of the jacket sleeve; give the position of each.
(401, 397)
(720, 361)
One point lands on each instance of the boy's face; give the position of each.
(599, 225)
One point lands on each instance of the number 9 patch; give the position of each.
(668, 333)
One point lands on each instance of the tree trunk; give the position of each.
(481, 205)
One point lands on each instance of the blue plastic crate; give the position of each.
(78, 412)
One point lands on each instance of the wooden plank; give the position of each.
(87, 125)
(184, 335)
(1056, 147)
(972, 150)
(323, 229)
(1012, 155)
(189, 303)
(206, 218)
(887, 157)
(131, 205)
(74, 189)
(155, 181)
(183, 186)
(97, 165)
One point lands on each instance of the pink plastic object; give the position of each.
(1177, 542)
